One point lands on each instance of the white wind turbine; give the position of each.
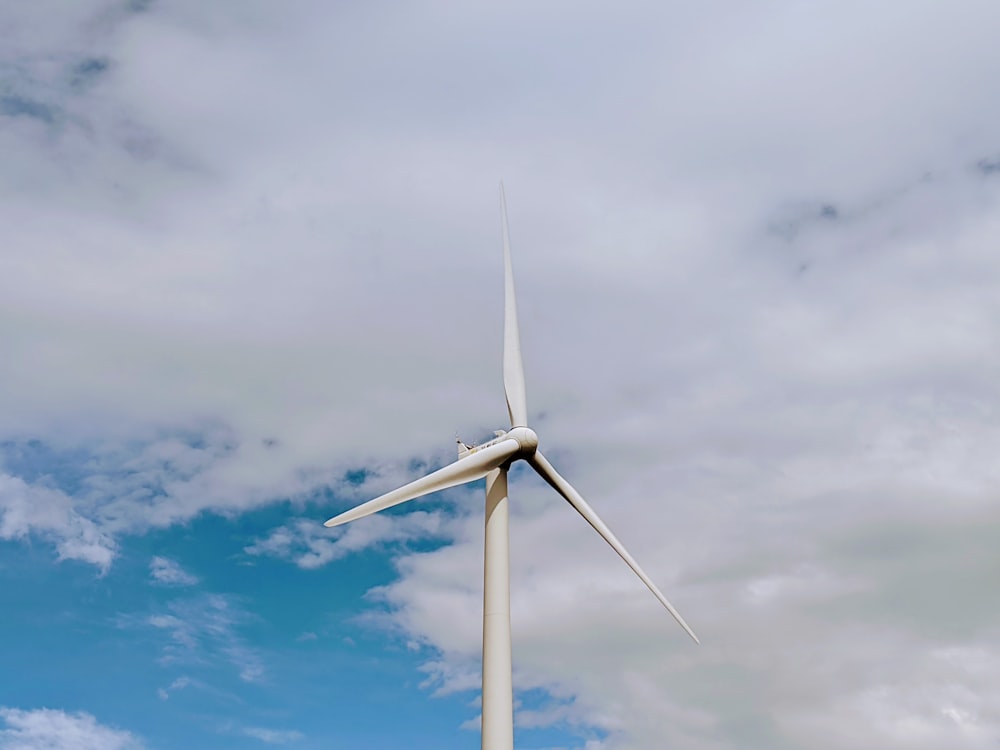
(493, 460)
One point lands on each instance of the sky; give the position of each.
(251, 276)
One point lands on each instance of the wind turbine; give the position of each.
(493, 460)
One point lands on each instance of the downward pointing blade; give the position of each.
(564, 488)
(468, 469)
(513, 367)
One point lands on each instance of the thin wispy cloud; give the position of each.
(167, 572)
(273, 736)
(309, 544)
(178, 684)
(204, 630)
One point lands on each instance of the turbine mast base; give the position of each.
(498, 687)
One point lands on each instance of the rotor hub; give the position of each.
(526, 438)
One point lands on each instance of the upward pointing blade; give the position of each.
(474, 466)
(513, 367)
(564, 488)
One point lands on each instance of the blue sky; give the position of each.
(250, 276)
(215, 646)
(197, 635)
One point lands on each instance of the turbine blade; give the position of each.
(472, 467)
(564, 488)
(513, 367)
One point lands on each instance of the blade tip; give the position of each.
(687, 629)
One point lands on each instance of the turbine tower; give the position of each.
(493, 460)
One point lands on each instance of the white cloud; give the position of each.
(36, 509)
(51, 729)
(803, 582)
(940, 697)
